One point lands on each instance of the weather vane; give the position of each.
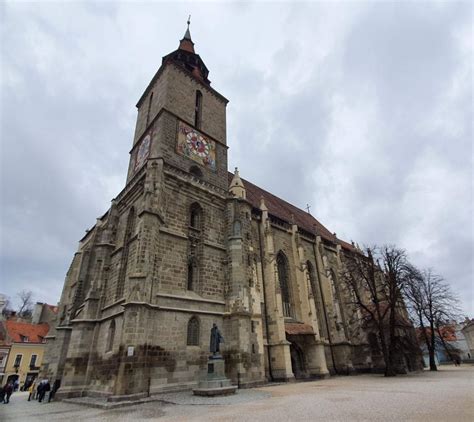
(189, 21)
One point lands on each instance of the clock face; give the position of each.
(196, 146)
(143, 152)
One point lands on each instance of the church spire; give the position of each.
(186, 57)
(187, 34)
(186, 43)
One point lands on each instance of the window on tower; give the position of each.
(198, 110)
(149, 109)
(195, 216)
(192, 275)
(196, 172)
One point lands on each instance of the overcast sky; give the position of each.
(361, 109)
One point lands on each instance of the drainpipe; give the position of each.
(262, 261)
(324, 308)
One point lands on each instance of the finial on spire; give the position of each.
(187, 34)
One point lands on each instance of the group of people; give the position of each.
(37, 390)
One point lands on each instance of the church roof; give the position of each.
(288, 212)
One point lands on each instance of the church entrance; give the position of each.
(298, 364)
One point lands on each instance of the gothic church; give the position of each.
(187, 244)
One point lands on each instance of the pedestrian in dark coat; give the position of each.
(56, 385)
(39, 390)
(45, 388)
(8, 392)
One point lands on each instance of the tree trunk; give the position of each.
(385, 351)
(390, 370)
(432, 349)
(429, 346)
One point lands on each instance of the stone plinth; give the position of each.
(214, 383)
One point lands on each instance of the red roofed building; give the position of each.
(25, 343)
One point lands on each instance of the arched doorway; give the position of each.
(298, 364)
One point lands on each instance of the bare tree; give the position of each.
(375, 282)
(25, 308)
(432, 303)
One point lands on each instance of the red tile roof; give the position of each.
(17, 331)
(447, 331)
(288, 212)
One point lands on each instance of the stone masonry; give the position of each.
(186, 244)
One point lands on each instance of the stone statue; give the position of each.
(216, 339)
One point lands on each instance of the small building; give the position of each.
(23, 344)
(4, 352)
(468, 333)
(452, 346)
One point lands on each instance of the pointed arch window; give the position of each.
(198, 110)
(283, 278)
(111, 336)
(195, 216)
(193, 332)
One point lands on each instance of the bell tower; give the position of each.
(182, 119)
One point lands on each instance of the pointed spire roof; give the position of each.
(186, 43)
(187, 34)
(237, 187)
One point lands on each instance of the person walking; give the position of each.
(39, 390)
(8, 392)
(32, 390)
(56, 385)
(44, 389)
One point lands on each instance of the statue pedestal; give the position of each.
(215, 383)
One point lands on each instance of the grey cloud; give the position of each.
(362, 110)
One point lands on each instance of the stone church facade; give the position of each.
(187, 244)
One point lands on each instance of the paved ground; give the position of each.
(447, 395)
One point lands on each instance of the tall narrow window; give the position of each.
(317, 299)
(198, 110)
(111, 336)
(150, 101)
(17, 360)
(193, 332)
(335, 296)
(237, 228)
(192, 275)
(195, 216)
(282, 268)
(33, 361)
(129, 229)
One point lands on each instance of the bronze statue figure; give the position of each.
(216, 339)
